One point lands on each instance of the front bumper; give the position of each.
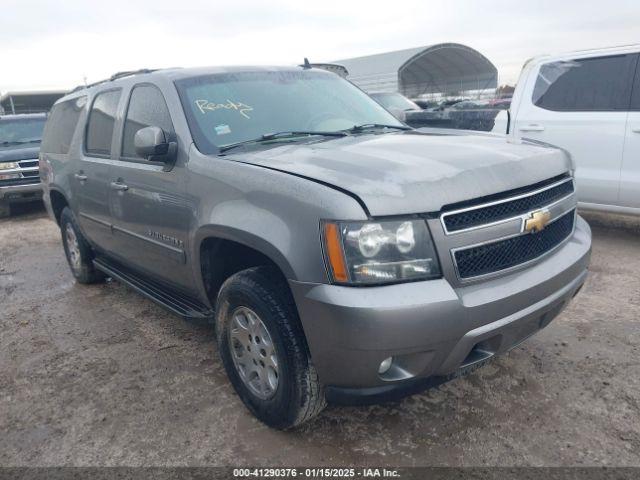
(18, 193)
(432, 329)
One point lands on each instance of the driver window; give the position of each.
(147, 108)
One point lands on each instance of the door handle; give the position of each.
(532, 128)
(120, 187)
(80, 176)
(636, 130)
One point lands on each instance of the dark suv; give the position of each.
(20, 137)
(342, 255)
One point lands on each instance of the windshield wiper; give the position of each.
(274, 136)
(372, 126)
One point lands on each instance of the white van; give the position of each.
(588, 103)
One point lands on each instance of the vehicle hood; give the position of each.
(415, 172)
(13, 153)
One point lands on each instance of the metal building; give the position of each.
(29, 102)
(445, 68)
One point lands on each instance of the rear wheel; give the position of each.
(77, 249)
(264, 350)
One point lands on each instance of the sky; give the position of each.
(59, 44)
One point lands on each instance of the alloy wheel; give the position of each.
(73, 247)
(253, 352)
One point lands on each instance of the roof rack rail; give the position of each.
(115, 76)
(129, 73)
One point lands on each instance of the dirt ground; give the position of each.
(99, 375)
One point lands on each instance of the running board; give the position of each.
(174, 301)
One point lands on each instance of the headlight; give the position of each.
(8, 165)
(380, 252)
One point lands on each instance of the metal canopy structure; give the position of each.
(29, 102)
(444, 68)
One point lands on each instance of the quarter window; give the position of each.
(61, 125)
(147, 108)
(590, 84)
(101, 121)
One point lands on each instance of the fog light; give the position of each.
(385, 365)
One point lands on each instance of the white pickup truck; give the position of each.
(587, 103)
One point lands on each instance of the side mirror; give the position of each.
(151, 143)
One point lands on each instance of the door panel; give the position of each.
(151, 215)
(90, 184)
(630, 177)
(595, 141)
(581, 105)
(151, 219)
(93, 175)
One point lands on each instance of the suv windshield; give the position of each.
(224, 109)
(395, 100)
(23, 130)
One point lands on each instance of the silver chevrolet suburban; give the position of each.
(342, 255)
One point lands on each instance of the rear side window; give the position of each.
(147, 108)
(100, 124)
(61, 125)
(590, 84)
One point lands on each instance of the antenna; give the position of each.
(306, 65)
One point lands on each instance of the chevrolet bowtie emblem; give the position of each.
(537, 221)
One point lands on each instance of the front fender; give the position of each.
(245, 238)
(272, 212)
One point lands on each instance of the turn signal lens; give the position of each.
(334, 252)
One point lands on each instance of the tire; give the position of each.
(297, 395)
(5, 210)
(76, 248)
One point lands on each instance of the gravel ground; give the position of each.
(98, 375)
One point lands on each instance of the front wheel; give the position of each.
(264, 350)
(77, 249)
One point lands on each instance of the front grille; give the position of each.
(495, 212)
(28, 163)
(19, 181)
(503, 254)
(27, 172)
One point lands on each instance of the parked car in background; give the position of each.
(448, 103)
(342, 255)
(587, 103)
(466, 105)
(499, 103)
(20, 137)
(457, 114)
(396, 103)
(425, 104)
(409, 112)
